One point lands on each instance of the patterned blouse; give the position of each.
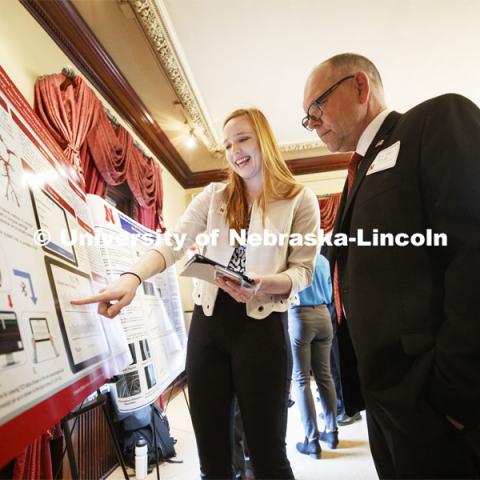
(237, 262)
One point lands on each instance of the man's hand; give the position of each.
(455, 423)
(121, 291)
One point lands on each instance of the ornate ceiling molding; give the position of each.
(154, 26)
(152, 23)
(300, 147)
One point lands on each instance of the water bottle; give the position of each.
(141, 459)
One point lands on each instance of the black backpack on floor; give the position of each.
(140, 425)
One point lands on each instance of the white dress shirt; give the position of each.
(369, 133)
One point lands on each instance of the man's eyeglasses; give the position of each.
(315, 110)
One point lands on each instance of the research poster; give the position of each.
(52, 354)
(153, 323)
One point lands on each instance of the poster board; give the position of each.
(52, 354)
(153, 323)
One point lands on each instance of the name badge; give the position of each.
(385, 159)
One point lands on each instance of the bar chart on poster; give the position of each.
(54, 354)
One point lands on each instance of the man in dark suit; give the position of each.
(410, 332)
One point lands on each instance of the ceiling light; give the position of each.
(191, 140)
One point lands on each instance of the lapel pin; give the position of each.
(380, 142)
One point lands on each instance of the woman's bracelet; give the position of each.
(134, 274)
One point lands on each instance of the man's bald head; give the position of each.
(345, 64)
(342, 96)
(348, 62)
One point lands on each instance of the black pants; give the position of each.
(231, 354)
(424, 446)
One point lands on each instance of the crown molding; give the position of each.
(154, 27)
(322, 163)
(154, 20)
(301, 146)
(300, 166)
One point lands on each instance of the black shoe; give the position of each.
(330, 438)
(310, 448)
(343, 419)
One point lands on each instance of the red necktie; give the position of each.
(352, 169)
(352, 173)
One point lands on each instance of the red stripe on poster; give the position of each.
(32, 138)
(3, 104)
(19, 103)
(85, 226)
(59, 199)
(50, 190)
(77, 191)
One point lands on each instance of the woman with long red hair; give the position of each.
(238, 341)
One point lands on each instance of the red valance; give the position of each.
(100, 153)
(106, 151)
(94, 182)
(144, 177)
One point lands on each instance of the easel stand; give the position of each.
(178, 382)
(100, 402)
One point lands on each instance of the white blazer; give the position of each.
(207, 213)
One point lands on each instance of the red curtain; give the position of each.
(144, 177)
(35, 461)
(117, 160)
(328, 211)
(152, 217)
(102, 155)
(94, 182)
(107, 152)
(69, 109)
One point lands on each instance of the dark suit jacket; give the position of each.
(413, 312)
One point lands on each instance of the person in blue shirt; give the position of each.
(311, 334)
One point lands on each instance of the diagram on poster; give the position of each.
(10, 168)
(43, 342)
(12, 351)
(51, 217)
(83, 333)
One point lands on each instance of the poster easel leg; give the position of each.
(115, 440)
(174, 384)
(71, 454)
(101, 401)
(186, 398)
